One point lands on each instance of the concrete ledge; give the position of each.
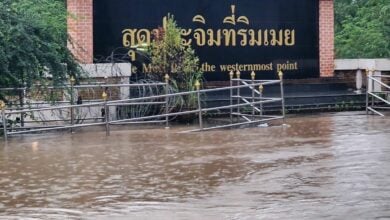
(102, 70)
(362, 64)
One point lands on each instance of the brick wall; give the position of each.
(326, 38)
(80, 29)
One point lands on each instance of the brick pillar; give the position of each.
(326, 38)
(80, 29)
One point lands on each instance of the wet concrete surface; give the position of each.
(334, 166)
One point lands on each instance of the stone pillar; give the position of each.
(326, 38)
(359, 80)
(80, 29)
(378, 86)
(375, 86)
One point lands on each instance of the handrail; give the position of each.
(380, 98)
(234, 124)
(380, 82)
(371, 105)
(136, 99)
(193, 111)
(158, 100)
(88, 86)
(381, 76)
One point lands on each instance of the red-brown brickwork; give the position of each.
(326, 38)
(80, 29)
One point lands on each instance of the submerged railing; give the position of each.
(378, 93)
(238, 115)
(256, 102)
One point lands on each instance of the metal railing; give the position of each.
(238, 115)
(255, 102)
(377, 100)
(46, 108)
(26, 98)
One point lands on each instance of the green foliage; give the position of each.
(362, 28)
(170, 56)
(33, 42)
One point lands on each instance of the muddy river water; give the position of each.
(334, 166)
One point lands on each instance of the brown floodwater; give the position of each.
(333, 166)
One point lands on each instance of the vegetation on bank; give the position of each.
(362, 28)
(33, 42)
(169, 56)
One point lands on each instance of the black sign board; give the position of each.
(247, 35)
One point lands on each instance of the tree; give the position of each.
(362, 28)
(170, 56)
(33, 42)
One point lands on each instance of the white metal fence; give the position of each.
(378, 93)
(100, 110)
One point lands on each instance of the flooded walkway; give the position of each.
(333, 166)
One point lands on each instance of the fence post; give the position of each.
(372, 88)
(253, 76)
(106, 113)
(72, 80)
(108, 89)
(166, 77)
(22, 98)
(2, 108)
(238, 95)
(231, 75)
(197, 85)
(280, 73)
(261, 89)
(368, 74)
